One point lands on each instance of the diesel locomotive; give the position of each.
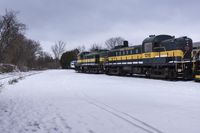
(161, 56)
(91, 62)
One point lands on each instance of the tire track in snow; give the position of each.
(123, 115)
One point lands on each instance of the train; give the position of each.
(159, 56)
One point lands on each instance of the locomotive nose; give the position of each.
(188, 44)
(187, 48)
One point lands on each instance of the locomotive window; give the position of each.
(198, 56)
(118, 53)
(127, 52)
(131, 52)
(139, 50)
(148, 47)
(111, 53)
(136, 51)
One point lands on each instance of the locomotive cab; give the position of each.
(183, 44)
(152, 43)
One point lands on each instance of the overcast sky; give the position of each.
(79, 22)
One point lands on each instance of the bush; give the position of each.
(13, 81)
(8, 68)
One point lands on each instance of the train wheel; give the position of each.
(119, 71)
(172, 75)
(147, 73)
(187, 75)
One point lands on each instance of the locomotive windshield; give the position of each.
(198, 56)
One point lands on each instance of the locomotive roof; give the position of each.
(177, 39)
(83, 53)
(153, 38)
(96, 52)
(127, 48)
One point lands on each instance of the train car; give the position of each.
(168, 57)
(124, 60)
(80, 61)
(196, 61)
(91, 62)
(197, 66)
(161, 56)
(197, 72)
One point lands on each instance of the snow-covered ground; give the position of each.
(63, 101)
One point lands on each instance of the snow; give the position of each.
(6, 78)
(63, 101)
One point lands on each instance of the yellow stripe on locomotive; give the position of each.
(197, 77)
(125, 57)
(172, 53)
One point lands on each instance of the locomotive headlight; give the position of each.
(179, 70)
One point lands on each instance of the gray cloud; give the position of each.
(80, 22)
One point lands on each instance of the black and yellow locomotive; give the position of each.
(91, 62)
(161, 56)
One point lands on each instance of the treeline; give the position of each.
(17, 49)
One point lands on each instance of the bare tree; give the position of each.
(58, 49)
(114, 41)
(10, 28)
(23, 52)
(15, 47)
(81, 48)
(95, 47)
(45, 61)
